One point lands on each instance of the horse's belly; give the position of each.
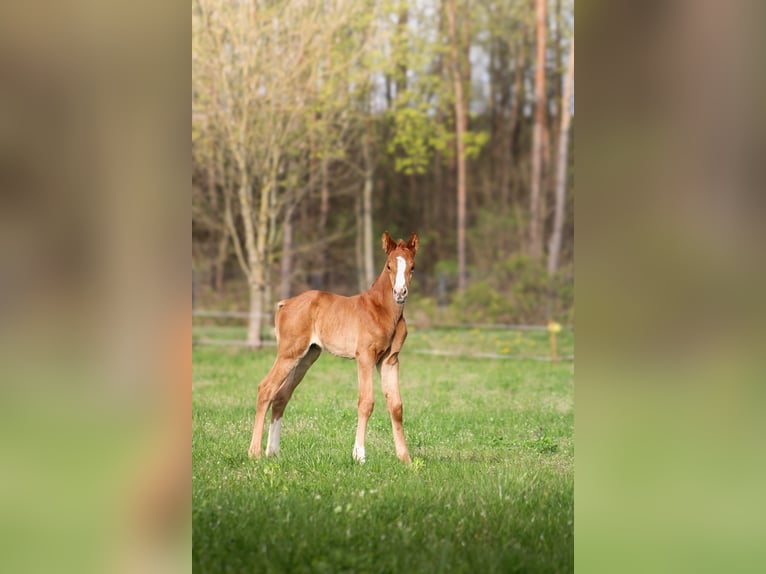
(339, 344)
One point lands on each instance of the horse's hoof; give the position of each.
(359, 454)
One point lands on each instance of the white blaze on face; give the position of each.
(399, 284)
(273, 445)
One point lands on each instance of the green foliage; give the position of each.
(516, 289)
(482, 495)
(422, 312)
(525, 280)
(474, 142)
(480, 303)
(415, 137)
(298, 93)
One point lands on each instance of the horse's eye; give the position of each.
(388, 267)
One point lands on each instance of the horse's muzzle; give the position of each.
(400, 296)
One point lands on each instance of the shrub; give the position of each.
(516, 290)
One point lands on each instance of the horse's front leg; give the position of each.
(389, 376)
(365, 363)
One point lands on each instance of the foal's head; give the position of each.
(400, 264)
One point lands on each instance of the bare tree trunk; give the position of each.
(324, 207)
(518, 86)
(359, 244)
(221, 256)
(499, 97)
(558, 72)
(513, 118)
(306, 209)
(266, 298)
(286, 265)
(218, 237)
(254, 265)
(401, 38)
(466, 45)
(267, 255)
(554, 246)
(254, 321)
(258, 271)
(440, 211)
(545, 178)
(369, 262)
(535, 234)
(493, 106)
(215, 234)
(460, 129)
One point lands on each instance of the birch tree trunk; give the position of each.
(255, 278)
(535, 232)
(518, 86)
(460, 129)
(217, 237)
(286, 265)
(554, 246)
(369, 261)
(324, 208)
(221, 256)
(258, 268)
(513, 116)
(359, 244)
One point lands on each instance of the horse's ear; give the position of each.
(413, 243)
(388, 243)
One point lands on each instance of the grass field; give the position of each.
(491, 487)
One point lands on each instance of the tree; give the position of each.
(275, 83)
(554, 246)
(461, 125)
(535, 193)
(369, 168)
(317, 125)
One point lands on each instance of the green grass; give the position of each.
(491, 488)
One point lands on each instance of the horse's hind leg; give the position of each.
(364, 365)
(284, 394)
(269, 386)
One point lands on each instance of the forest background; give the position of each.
(318, 125)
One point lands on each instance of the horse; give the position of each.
(369, 327)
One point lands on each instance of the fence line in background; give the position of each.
(230, 342)
(431, 352)
(269, 341)
(500, 326)
(440, 353)
(228, 314)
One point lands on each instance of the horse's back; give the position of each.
(307, 301)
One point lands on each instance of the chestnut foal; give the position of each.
(369, 327)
